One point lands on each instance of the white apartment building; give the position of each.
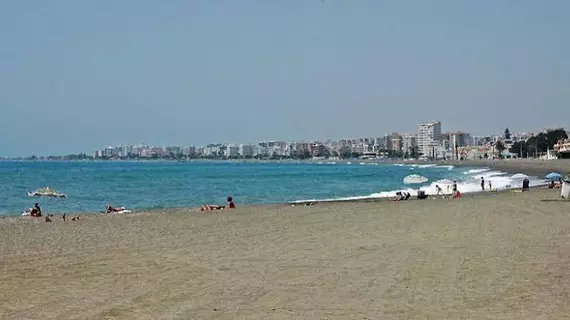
(428, 137)
(189, 151)
(246, 150)
(232, 151)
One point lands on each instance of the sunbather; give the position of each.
(110, 209)
(209, 207)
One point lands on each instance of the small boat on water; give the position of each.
(47, 192)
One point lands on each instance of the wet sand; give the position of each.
(538, 168)
(502, 256)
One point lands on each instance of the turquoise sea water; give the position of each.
(148, 185)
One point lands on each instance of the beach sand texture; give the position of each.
(503, 256)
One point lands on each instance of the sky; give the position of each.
(80, 75)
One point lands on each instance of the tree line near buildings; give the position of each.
(535, 145)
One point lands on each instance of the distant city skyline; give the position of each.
(404, 142)
(76, 75)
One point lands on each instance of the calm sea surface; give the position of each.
(147, 185)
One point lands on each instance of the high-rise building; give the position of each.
(396, 142)
(189, 151)
(317, 149)
(428, 138)
(460, 139)
(409, 142)
(383, 143)
(232, 151)
(246, 150)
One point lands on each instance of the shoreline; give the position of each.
(538, 168)
(531, 167)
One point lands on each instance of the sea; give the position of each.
(139, 185)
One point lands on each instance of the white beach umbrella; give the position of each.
(415, 179)
(519, 176)
(46, 193)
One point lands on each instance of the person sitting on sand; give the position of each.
(230, 203)
(399, 197)
(456, 194)
(209, 207)
(36, 211)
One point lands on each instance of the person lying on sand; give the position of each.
(110, 209)
(209, 207)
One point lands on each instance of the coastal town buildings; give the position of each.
(562, 148)
(453, 140)
(428, 142)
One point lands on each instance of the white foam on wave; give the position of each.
(476, 171)
(499, 181)
(431, 165)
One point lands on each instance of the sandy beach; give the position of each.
(502, 256)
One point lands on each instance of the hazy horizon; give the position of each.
(77, 76)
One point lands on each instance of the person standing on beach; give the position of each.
(490, 185)
(482, 183)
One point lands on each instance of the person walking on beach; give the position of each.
(439, 191)
(490, 185)
(482, 183)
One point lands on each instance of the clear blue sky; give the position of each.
(78, 75)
